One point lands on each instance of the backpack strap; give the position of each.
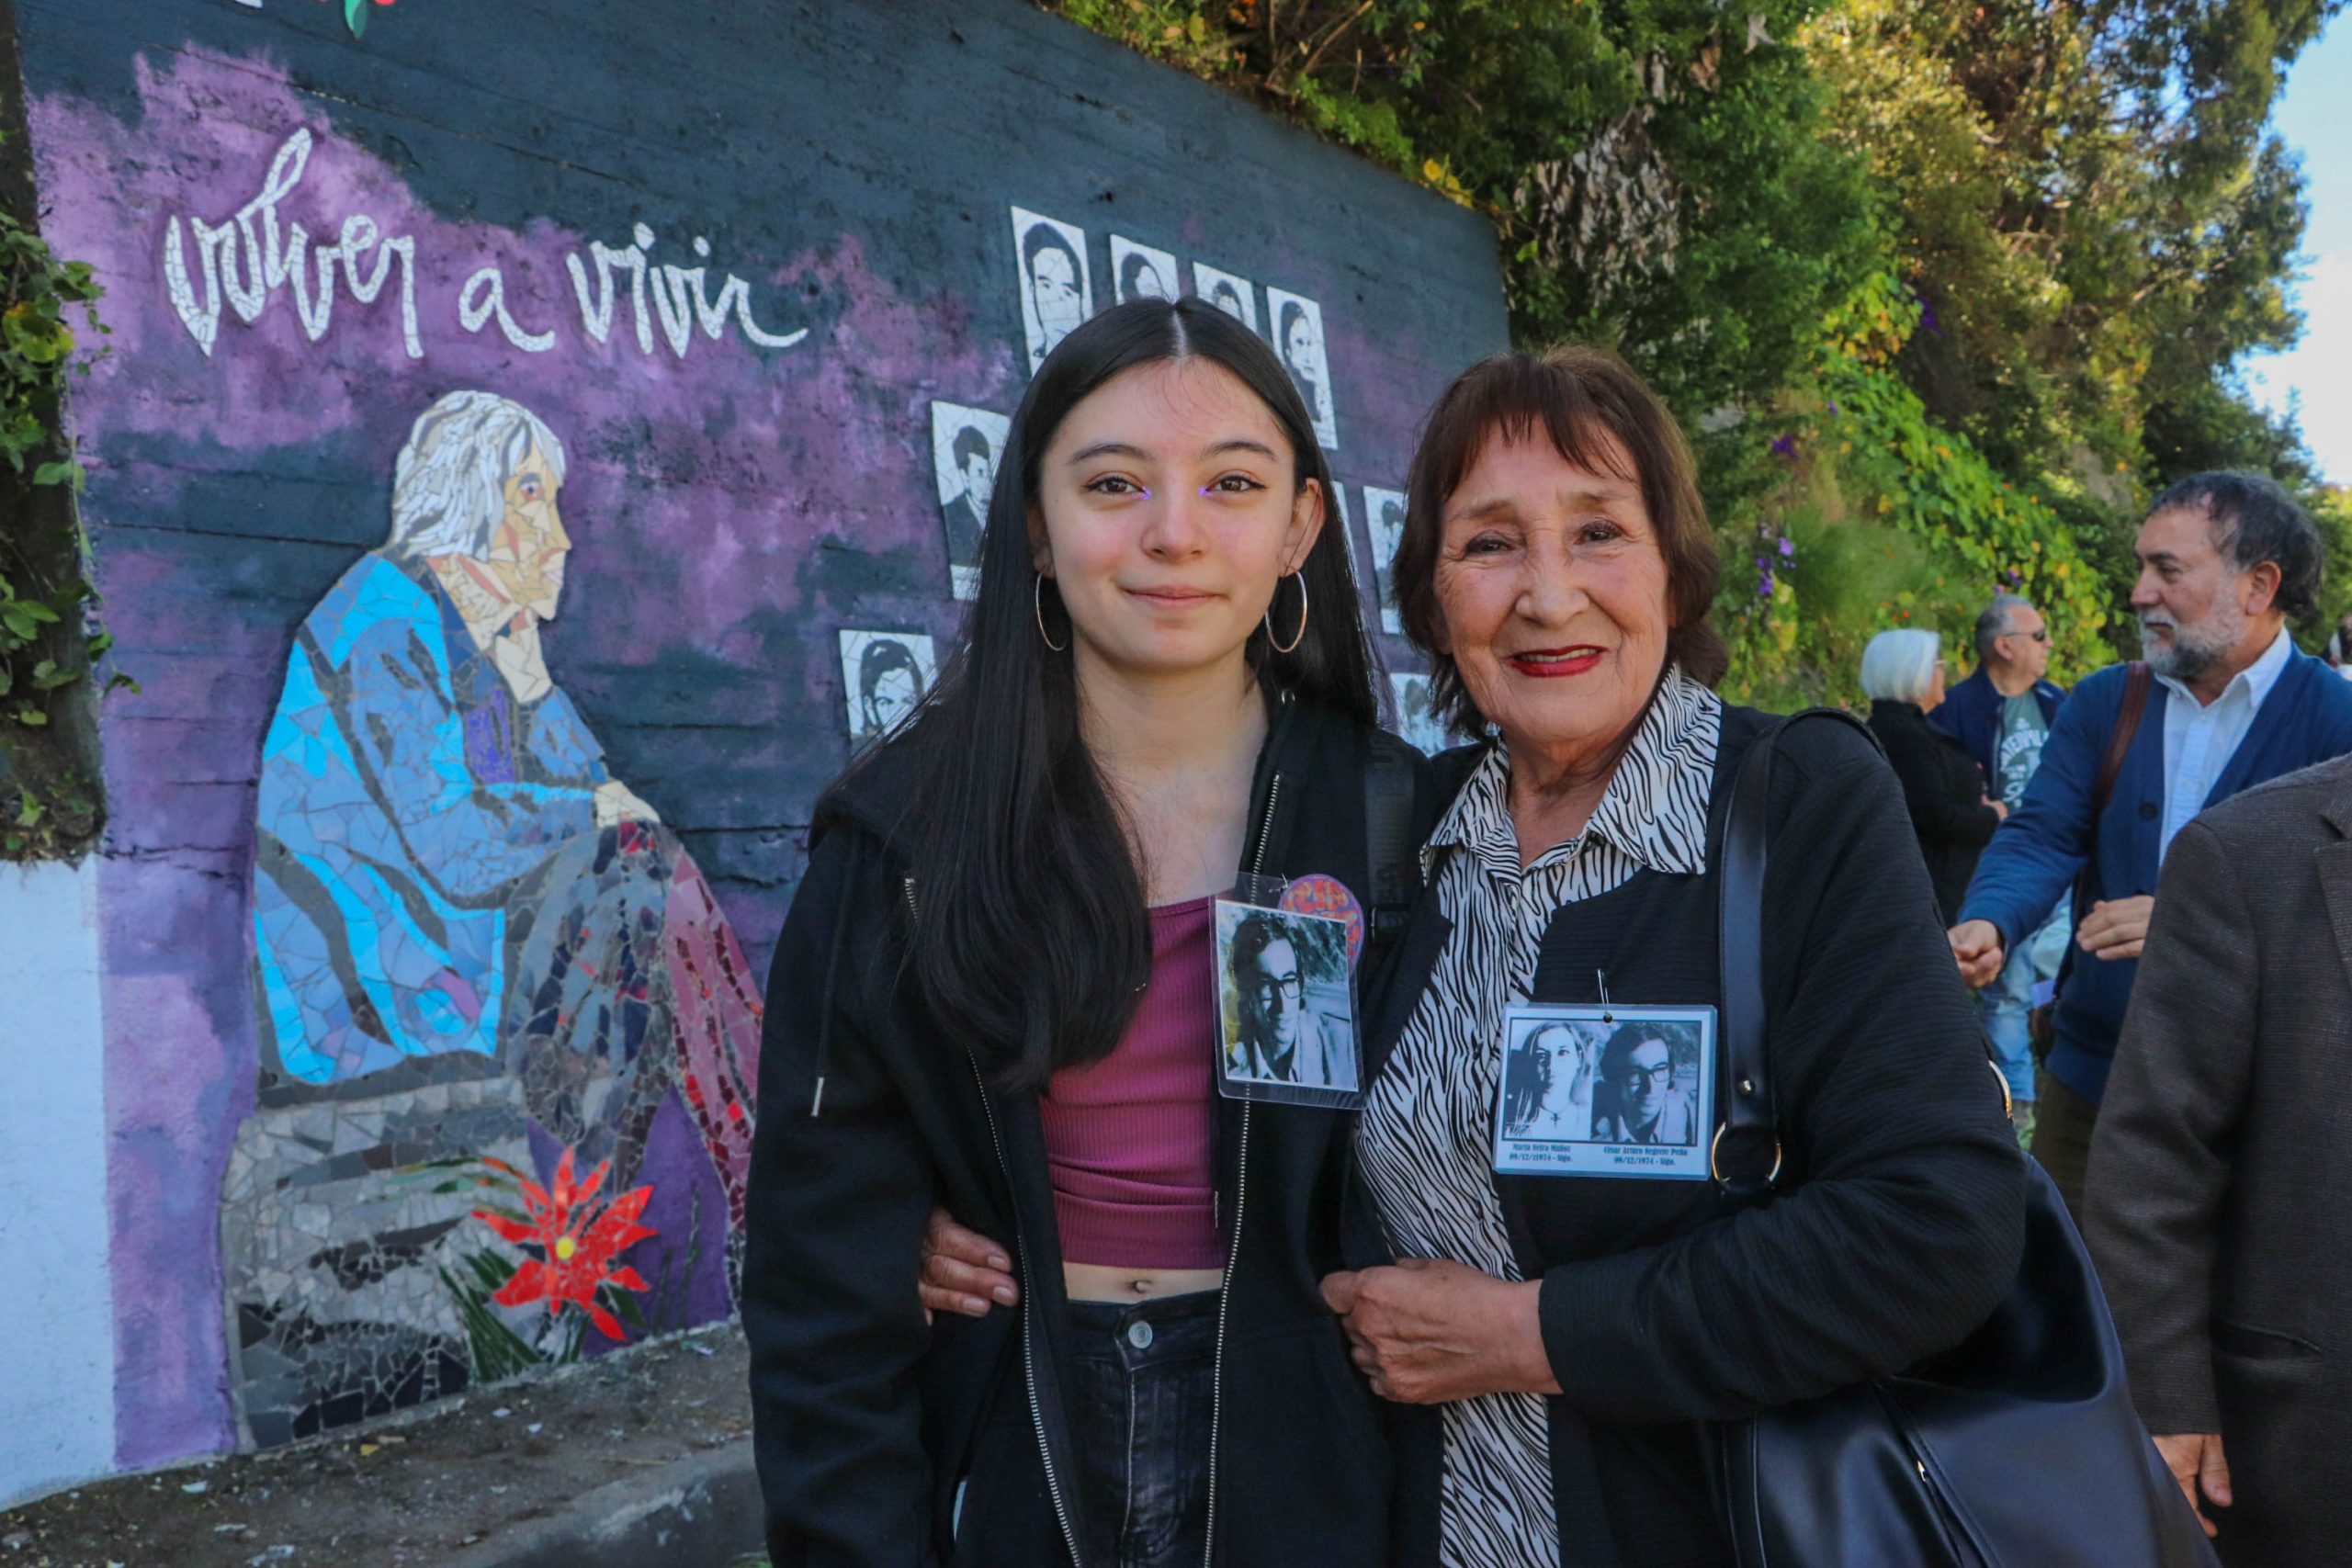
(1392, 844)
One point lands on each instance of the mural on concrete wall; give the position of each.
(452, 891)
(518, 496)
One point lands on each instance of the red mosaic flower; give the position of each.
(577, 1234)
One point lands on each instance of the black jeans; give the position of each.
(1142, 1398)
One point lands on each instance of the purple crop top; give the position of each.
(1127, 1137)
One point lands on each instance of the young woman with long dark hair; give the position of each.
(995, 994)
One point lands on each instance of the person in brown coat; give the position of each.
(2220, 1192)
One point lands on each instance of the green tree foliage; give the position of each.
(2088, 199)
(1618, 149)
(1883, 518)
(1941, 287)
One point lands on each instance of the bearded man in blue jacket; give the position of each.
(2226, 560)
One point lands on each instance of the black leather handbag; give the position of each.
(2018, 1448)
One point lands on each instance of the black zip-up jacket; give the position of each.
(870, 1425)
(1899, 1216)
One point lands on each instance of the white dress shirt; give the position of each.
(2200, 739)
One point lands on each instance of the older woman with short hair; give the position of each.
(1572, 1337)
(1943, 789)
(1559, 1345)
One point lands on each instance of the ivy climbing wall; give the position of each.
(537, 441)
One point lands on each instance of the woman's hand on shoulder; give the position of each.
(963, 1271)
(1430, 1330)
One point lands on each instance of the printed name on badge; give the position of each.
(1623, 1092)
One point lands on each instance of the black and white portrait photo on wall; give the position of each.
(883, 675)
(1236, 296)
(1138, 272)
(1297, 323)
(1285, 1009)
(1605, 1091)
(1339, 519)
(1057, 291)
(964, 443)
(1416, 725)
(1384, 522)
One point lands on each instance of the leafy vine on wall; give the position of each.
(49, 631)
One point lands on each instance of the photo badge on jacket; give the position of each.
(1606, 1090)
(1285, 998)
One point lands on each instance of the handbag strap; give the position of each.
(1751, 1115)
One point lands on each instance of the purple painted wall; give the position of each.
(733, 508)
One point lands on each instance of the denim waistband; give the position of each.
(1174, 1328)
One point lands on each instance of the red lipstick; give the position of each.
(1552, 663)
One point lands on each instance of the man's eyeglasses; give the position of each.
(1269, 986)
(2039, 634)
(1661, 1077)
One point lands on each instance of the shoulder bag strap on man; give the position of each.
(2137, 680)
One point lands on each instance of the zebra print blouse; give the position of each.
(1425, 1137)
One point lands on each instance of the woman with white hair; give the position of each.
(1903, 675)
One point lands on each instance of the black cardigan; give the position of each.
(1900, 1215)
(867, 1423)
(1944, 790)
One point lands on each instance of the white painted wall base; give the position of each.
(57, 1398)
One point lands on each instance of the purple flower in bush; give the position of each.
(1788, 546)
(1833, 405)
(1786, 446)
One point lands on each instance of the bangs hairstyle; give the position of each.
(1033, 937)
(1599, 415)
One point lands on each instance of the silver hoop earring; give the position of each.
(1300, 635)
(1037, 602)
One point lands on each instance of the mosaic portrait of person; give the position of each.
(1236, 296)
(1298, 338)
(1384, 519)
(964, 446)
(1339, 519)
(1416, 725)
(507, 1038)
(883, 675)
(1140, 271)
(1056, 293)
